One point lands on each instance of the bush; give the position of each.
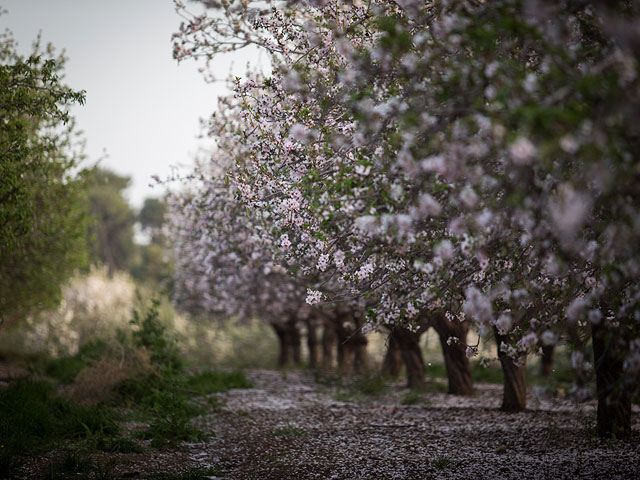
(34, 417)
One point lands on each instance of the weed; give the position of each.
(327, 378)
(33, 417)
(170, 416)
(76, 466)
(442, 461)
(216, 382)
(370, 384)
(490, 374)
(289, 431)
(344, 397)
(437, 370)
(115, 444)
(413, 397)
(74, 462)
(197, 473)
(104, 471)
(65, 369)
(436, 387)
(151, 334)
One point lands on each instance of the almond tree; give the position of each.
(458, 161)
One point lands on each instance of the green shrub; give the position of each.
(412, 397)
(65, 369)
(151, 334)
(369, 384)
(216, 382)
(170, 416)
(34, 417)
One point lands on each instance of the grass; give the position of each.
(211, 381)
(442, 462)
(414, 397)
(349, 389)
(369, 384)
(166, 402)
(34, 418)
(289, 431)
(66, 369)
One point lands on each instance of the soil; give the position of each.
(289, 427)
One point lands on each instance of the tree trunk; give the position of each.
(283, 344)
(614, 397)
(345, 351)
(313, 345)
(514, 396)
(295, 341)
(392, 363)
(359, 342)
(546, 362)
(455, 359)
(409, 344)
(328, 344)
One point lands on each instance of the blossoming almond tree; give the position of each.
(441, 159)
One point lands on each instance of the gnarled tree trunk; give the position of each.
(614, 397)
(392, 364)
(345, 347)
(514, 396)
(409, 345)
(313, 344)
(359, 341)
(328, 344)
(295, 341)
(283, 344)
(455, 358)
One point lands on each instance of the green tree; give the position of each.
(113, 219)
(151, 218)
(155, 266)
(42, 194)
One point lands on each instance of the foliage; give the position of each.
(42, 195)
(470, 159)
(111, 229)
(151, 334)
(93, 305)
(35, 418)
(209, 381)
(414, 397)
(289, 431)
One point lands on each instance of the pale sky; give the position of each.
(142, 108)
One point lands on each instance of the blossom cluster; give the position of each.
(413, 157)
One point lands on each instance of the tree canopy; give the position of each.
(42, 197)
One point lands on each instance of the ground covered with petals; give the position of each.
(294, 426)
(289, 427)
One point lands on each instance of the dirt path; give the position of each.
(288, 428)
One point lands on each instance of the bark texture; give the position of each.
(409, 345)
(455, 359)
(392, 364)
(328, 345)
(313, 345)
(283, 348)
(614, 396)
(289, 342)
(514, 396)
